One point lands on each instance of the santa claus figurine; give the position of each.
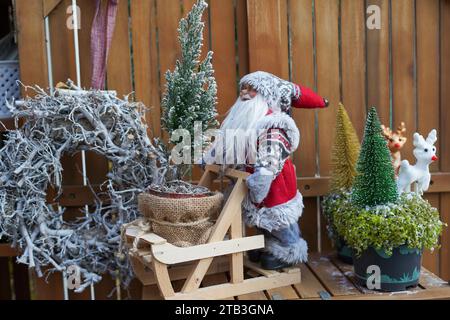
(273, 204)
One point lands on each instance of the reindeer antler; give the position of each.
(401, 129)
(387, 132)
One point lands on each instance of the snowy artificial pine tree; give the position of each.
(344, 154)
(375, 182)
(191, 89)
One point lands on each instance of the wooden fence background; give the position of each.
(403, 69)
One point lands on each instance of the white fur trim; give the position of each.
(293, 253)
(282, 121)
(277, 92)
(275, 218)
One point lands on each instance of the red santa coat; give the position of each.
(282, 204)
(284, 187)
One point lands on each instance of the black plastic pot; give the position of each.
(344, 252)
(398, 272)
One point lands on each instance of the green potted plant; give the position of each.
(344, 156)
(386, 230)
(181, 212)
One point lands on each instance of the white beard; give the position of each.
(243, 116)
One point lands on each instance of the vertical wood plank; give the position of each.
(87, 12)
(242, 37)
(51, 290)
(444, 257)
(302, 61)
(31, 42)
(328, 85)
(21, 281)
(427, 48)
(302, 66)
(444, 135)
(378, 68)
(62, 45)
(168, 15)
(237, 259)
(430, 260)
(63, 54)
(404, 102)
(187, 5)
(427, 69)
(5, 285)
(283, 25)
(353, 61)
(268, 47)
(223, 46)
(145, 57)
(327, 38)
(119, 61)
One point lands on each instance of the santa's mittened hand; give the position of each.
(259, 184)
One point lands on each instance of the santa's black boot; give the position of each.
(284, 248)
(254, 255)
(269, 262)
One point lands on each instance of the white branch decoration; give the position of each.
(30, 161)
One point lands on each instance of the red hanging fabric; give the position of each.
(101, 37)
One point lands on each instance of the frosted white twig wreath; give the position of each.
(67, 122)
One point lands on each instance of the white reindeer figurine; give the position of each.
(425, 153)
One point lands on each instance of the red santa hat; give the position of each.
(282, 94)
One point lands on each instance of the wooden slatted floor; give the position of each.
(325, 277)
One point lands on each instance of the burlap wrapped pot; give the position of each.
(179, 210)
(181, 221)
